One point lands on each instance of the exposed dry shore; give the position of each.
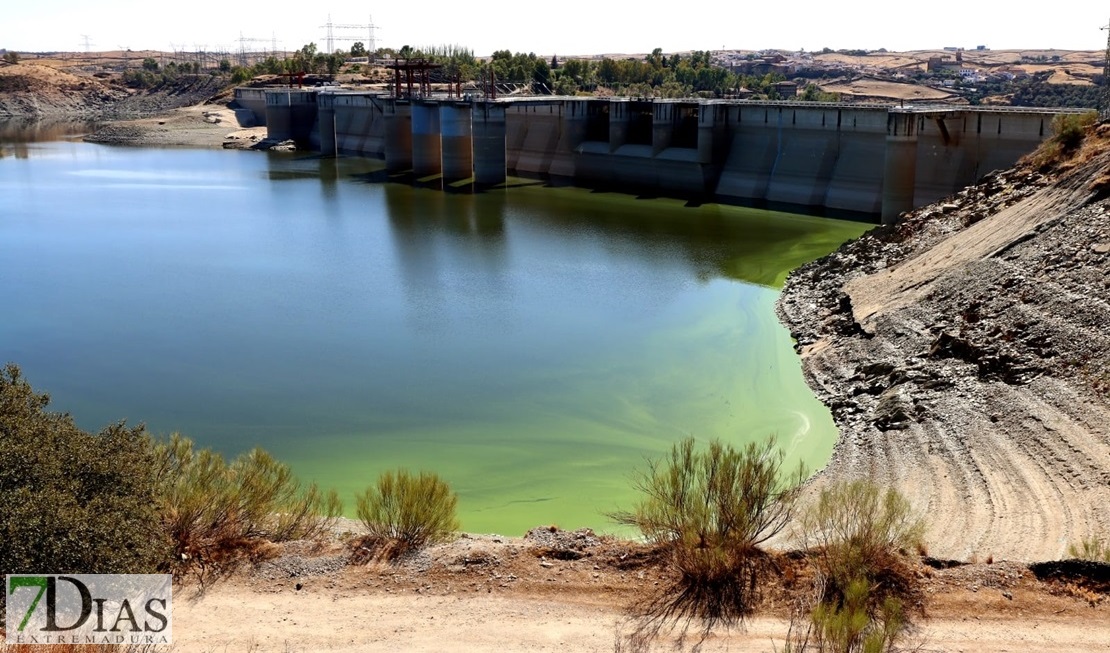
(569, 592)
(964, 357)
(198, 126)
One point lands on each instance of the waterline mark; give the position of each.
(89, 609)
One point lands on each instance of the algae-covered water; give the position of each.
(531, 345)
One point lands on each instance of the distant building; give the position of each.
(971, 75)
(786, 90)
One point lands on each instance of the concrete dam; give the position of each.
(864, 160)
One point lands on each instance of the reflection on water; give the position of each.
(529, 343)
(17, 132)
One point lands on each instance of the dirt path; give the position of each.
(346, 614)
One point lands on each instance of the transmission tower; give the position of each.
(1104, 99)
(330, 36)
(86, 42)
(243, 41)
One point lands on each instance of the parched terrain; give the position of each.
(32, 90)
(965, 355)
(554, 590)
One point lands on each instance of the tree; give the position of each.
(11, 57)
(554, 62)
(334, 62)
(541, 77)
(358, 49)
(150, 64)
(71, 501)
(225, 66)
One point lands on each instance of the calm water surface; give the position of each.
(530, 345)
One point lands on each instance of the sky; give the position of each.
(562, 27)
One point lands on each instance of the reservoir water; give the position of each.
(531, 345)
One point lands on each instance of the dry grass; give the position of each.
(1069, 147)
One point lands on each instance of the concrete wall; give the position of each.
(489, 135)
(532, 136)
(360, 124)
(861, 159)
(816, 156)
(457, 141)
(250, 109)
(291, 115)
(426, 139)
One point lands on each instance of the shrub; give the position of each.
(71, 501)
(1092, 548)
(408, 511)
(217, 514)
(710, 511)
(858, 534)
(851, 626)
(1068, 129)
(859, 531)
(1068, 133)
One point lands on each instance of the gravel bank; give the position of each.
(963, 354)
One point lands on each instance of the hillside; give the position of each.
(36, 90)
(963, 354)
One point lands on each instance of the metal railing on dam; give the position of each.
(875, 160)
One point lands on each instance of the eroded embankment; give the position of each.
(964, 356)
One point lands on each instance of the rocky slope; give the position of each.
(38, 91)
(964, 356)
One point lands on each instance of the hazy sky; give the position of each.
(563, 27)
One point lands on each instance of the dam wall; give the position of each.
(250, 107)
(867, 160)
(291, 115)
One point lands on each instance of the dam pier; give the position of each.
(863, 160)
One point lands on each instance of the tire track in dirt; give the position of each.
(963, 355)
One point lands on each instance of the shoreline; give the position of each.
(571, 591)
(926, 423)
(962, 367)
(1006, 467)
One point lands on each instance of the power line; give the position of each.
(1104, 99)
(331, 37)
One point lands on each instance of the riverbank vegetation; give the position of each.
(690, 74)
(120, 501)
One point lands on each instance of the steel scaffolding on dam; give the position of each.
(867, 160)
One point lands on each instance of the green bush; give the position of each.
(857, 534)
(710, 511)
(1068, 129)
(850, 626)
(858, 531)
(217, 515)
(71, 501)
(408, 511)
(1092, 548)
